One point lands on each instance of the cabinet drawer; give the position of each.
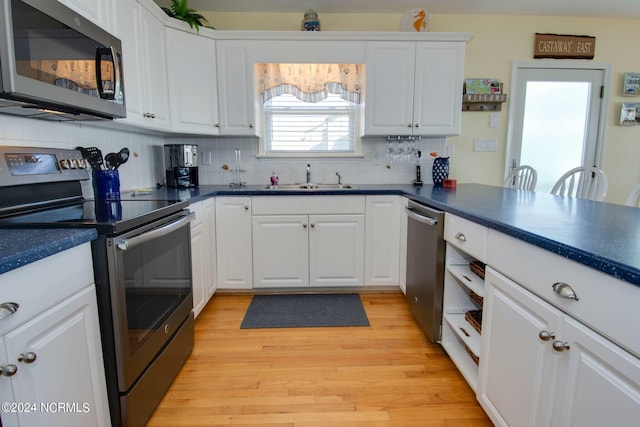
(308, 205)
(42, 284)
(466, 235)
(606, 304)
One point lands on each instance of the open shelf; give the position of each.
(467, 277)
(465, 332)
(454, 347)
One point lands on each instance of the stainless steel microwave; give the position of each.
(57, 65)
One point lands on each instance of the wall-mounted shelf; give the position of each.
(483, 102)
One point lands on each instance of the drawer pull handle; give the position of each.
(461, 237)
(8, 308)
(560, 346)
(28, 357)
(546, 335)
(564, 290)
(8, 370)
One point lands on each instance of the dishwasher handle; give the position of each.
(420, 218)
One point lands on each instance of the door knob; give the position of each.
(28, 357)
(560, 346)
(546, 335)
(8, 370)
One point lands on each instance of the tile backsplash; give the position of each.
(146, 167)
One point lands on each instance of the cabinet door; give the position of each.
(518, 369)
(336, 250)
(125, 27)
(94, 10)
(68, 368)
(209, 207)
(382, 241)
(153, 55)
(599, 382)
(191, 61)
(233, 242)
(198, 258)
(438, 88)
(236, 89)
(402, 279)
(390, 89)
(280, 251)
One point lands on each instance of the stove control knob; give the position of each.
(73, 164)
(82, 164)
(64, 164)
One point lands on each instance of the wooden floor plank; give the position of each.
(387, 374)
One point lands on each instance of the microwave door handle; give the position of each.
(124, 244)
(111, 53)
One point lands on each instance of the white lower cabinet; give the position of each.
(336, 250)
(308, 241)
(308, 250)
(233, 242)
(540, 367)
(50, 348)
(203, 253)
(382, 246)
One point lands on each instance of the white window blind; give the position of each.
(326, 126)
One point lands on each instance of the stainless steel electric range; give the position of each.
(142, 268)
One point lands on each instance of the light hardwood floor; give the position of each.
(388, 374)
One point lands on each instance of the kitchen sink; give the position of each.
(310, 187)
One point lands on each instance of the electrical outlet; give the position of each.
(206, 157)
(494, 120)
(484, 144)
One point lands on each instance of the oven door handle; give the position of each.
(124, 244)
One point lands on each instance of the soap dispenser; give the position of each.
(274, 179)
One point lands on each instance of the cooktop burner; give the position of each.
(106, 216)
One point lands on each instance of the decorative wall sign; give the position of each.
(631, 84)
(563, 46)
(630, 114)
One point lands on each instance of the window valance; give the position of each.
(310, 82)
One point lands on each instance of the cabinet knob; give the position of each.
(313, 225)
(246, 207)
(250, 125)
(546, 335)
(417, 125)
(461, 237)
(560, 346)
(410, 125)
(8, 370)
(28, 357)
(304, 225)
(8, 308)
(217, 125)
(149, 115)
(564, 290)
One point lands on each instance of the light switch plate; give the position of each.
(484, 144)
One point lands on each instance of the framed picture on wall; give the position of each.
(630, 114)
(631, 86)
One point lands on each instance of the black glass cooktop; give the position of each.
(106, 216)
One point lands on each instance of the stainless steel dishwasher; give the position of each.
(425, 267)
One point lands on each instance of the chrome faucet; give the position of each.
(339, 178)
(308, 173)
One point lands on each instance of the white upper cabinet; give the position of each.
(97, 11)
(140, 27)
(236, 88)
(414, 88)
(191, 61)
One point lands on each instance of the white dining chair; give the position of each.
(523, 177)
(583, 182)
(634, 197)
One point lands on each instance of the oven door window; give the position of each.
(157, 280)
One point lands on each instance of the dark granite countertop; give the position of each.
(603, 236)
(24, 246)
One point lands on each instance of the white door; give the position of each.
(557, 115)
(517, 366)
(600, 382)
(64, 365)
(336, 250)
(280, 251)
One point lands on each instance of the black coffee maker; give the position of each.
(181, 165)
